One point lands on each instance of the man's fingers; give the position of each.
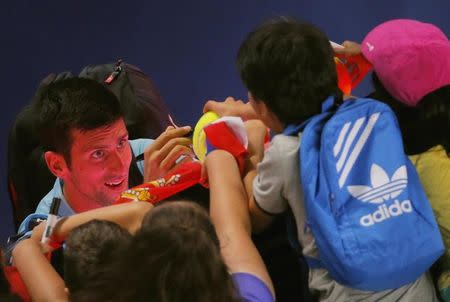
(167, 136)
(165, 150)
(170, 159)
(159, 155)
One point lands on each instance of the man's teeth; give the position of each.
(114, 183)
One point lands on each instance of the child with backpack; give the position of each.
(289, 70)
(412, 75)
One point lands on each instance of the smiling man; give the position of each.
(82, 129)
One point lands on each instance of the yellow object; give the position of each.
(433, 167)
(199, 136)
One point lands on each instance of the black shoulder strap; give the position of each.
(135, 176)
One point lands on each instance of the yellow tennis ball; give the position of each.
(199, 136)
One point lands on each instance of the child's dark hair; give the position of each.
(90, 249)
(176, 257)
(197, 193)
(290, 67)
(69, 104)
(423, 126)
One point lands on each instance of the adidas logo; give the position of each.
(385, 212)
(351, 140)
(370, 46)
(381, 190)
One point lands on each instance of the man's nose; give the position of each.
(117, 161)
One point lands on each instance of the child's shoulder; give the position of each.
(285, 142)
(282, 151)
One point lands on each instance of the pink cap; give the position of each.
(411, 58)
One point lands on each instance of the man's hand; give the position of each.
(160, 157)
(231, 107)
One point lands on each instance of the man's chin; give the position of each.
(111, 194)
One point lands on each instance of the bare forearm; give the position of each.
(128, 216)
(228, 205)
(42, 281)
(229, 213)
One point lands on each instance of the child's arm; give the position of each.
(229, 213)
(349, 48)
(42, 281)
(231, 107)
(129, 216)
(256, 132)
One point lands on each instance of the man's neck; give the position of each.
(77, 201)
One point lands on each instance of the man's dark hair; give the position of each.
(90, 249)
(423, 126)
(289, 66)
(69, 104)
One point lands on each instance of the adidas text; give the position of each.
(385, 212)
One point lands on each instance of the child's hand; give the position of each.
(37, 235)
(350, 48)
(231, 107)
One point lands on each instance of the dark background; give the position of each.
(187, 47)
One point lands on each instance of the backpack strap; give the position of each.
(135, 176)
(328, 106)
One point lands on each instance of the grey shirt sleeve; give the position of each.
(273, 173)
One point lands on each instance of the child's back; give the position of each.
(289, 70)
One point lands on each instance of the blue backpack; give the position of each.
(370, 218)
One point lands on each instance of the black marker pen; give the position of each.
(51, 220)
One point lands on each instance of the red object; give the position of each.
(17, 286)
(182, 177)
(220, 136)
(187, 174)
(351, 70)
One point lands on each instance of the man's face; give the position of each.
(100, 160)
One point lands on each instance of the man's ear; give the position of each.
(56, 163)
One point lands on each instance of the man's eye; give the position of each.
(98, 154)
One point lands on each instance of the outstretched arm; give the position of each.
(231, 107)
(128, 215)
(349, 48)
(229, 213)
(256, 132)
(42, 281)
